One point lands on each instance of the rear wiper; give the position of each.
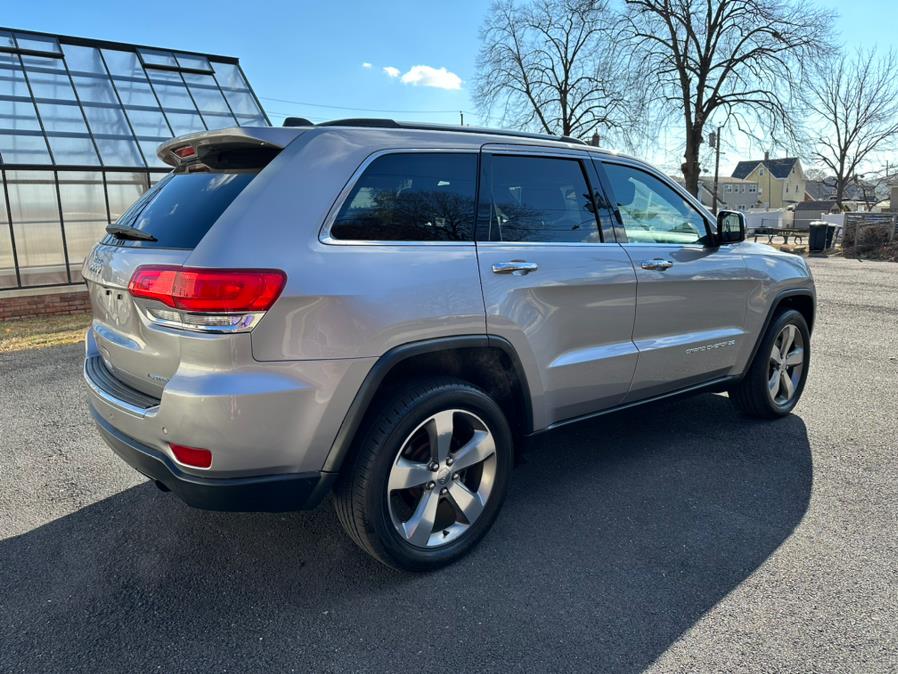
(120, 232)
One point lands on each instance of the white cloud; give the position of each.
(391, 71)
(427, 76)
(366, 65)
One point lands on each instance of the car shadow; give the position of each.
(617, 536)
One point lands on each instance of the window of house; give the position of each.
(415, 196)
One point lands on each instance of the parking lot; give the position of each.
(675, 537)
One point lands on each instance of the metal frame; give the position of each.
(103, 74)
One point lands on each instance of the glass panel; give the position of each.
(123, 190)
(35, 216)
(149, 123)
(242, 103)
(156, 177)
(83, 212)
(59, 117)
(12, 79)
(7, 261)
(149, 147)
(653, 212)
(541, 199)
(193, 61)
(37, 42)
(6, 39)
(164, 76)
(77, 151)
(136, 93)
(94, 90)
(107, 121)
(119, 152)
(411, 197)
(18, 115)
(228, 75)
(184, 122)
(173, 96)
(206, 94)
(156, 57)
(22, 149)
(54, 85)
(123, 63)
(252, 120)
(216, 121)
(83, 59)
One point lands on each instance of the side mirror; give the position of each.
(730, 227)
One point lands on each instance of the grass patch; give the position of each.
(19, 334)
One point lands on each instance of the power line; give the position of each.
(343, 107)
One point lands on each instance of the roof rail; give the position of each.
(377, 123)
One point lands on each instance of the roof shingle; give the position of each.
(780, 168)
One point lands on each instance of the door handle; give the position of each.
(516, 267)
(657, 264)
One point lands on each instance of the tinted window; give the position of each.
(411, 197)
(653, 212)
(541, 199)
(182, 207)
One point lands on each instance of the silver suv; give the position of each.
(385, 311)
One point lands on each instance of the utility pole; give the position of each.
(461, 115)
(714, 141)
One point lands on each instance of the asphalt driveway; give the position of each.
(676, 537)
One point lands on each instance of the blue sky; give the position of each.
(312, 53)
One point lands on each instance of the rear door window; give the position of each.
(181, 208)
(411, 196)
(541, 199)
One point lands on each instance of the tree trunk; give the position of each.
(840, 192)
(691, 167)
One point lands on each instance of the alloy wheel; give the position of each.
(441, 478)
(786, 365)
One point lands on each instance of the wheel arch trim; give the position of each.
(367, 392)
(774, 305)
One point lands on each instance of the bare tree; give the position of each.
(728, 59)
(550, 65)
(856, 97)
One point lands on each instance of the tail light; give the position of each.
(207, 300)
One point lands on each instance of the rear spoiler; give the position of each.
(227, 148)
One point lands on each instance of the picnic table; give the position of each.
(785, 232)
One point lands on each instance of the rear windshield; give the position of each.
(181, 208)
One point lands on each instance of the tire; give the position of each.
(755, 395)
(385, 516)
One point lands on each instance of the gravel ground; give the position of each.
(675, 538)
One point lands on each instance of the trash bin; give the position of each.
(830, 235)
(817, 237)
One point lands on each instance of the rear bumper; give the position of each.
(258, 419)
(266, 493)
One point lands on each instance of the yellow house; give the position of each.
(780, 181)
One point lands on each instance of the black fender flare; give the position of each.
(777, 301)
(385, 363)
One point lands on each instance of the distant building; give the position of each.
(734, 194)
(808, 211)
(824, 190)
(780, 181)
